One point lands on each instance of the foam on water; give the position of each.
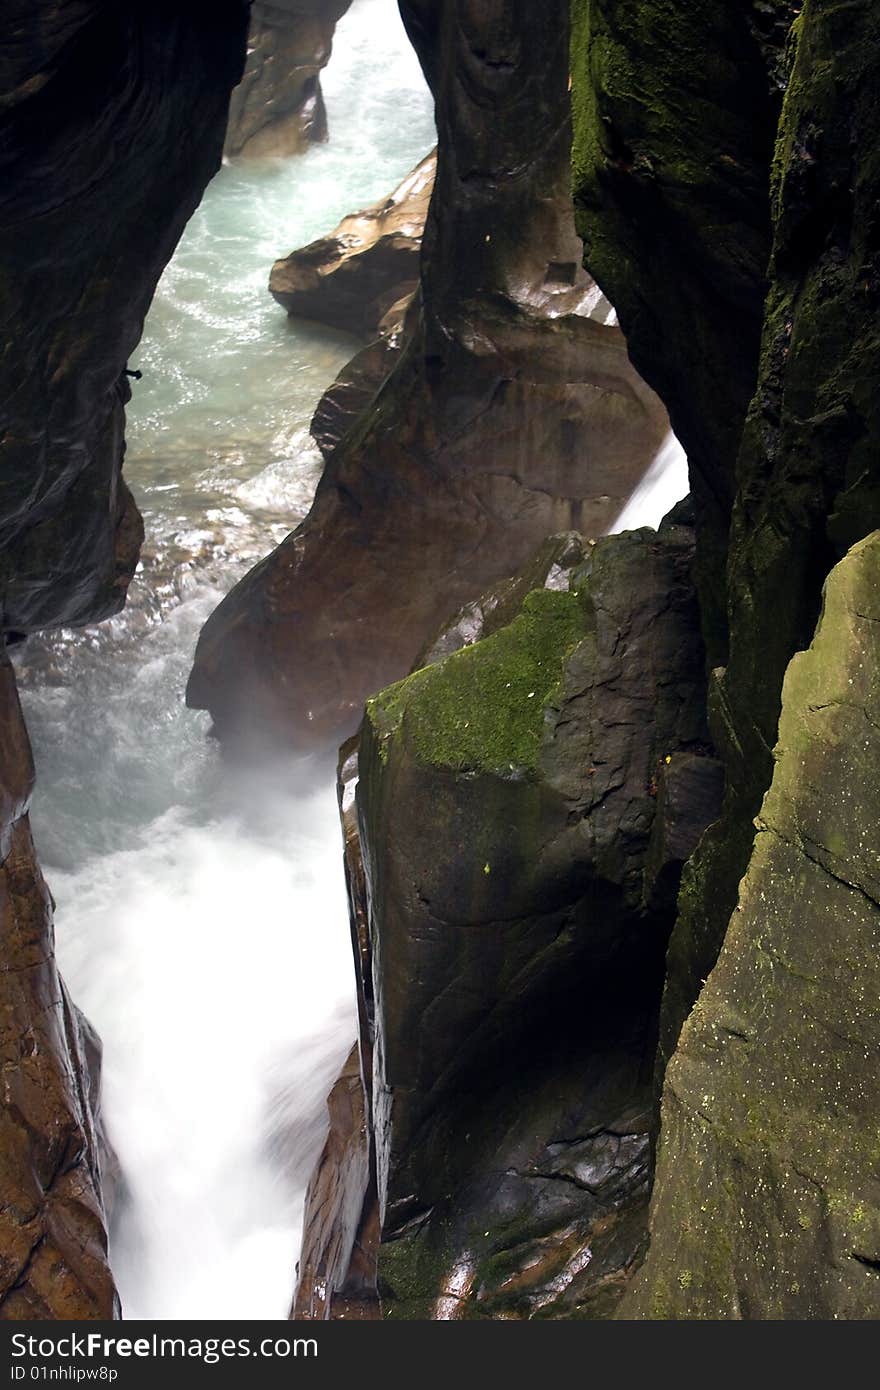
(201, 920)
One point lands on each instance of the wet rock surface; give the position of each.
(53, 1242)
(808, 474)
(113, 126)
(513, 413)
(358, 384)
(353, 277)
(765, 1203)
(336, 1277)
(516, 941)
(278, 108)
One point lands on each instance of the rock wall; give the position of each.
(278, 107)
(53, 1243)
(804, 488)
(675, 109)
(111, 128)
(766, 1202)
(809, 484)
(511, 414)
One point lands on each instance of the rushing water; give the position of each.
(201, 920)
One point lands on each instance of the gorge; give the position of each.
(606, 790)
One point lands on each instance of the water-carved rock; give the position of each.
(111, 127)
(53, 1241)
(278, 107)
(512, 414)
(351, 278)
(516, 938)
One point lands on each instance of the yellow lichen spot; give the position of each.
(487, 868)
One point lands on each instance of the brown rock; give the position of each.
(351, 278)
(341, 1227)
(278, 107)
(358, 384)
(53, 1243)
(511, 415)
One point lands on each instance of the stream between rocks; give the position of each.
(201, 916)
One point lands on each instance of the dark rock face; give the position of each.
(808, 466)
(278, 108)
(806, 489)
(517, 938)
(352, 278)
(511, 415)
(53, 1244)
(766, 1203)
(675, 114)
(112, 127)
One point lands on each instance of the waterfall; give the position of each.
(664, 484)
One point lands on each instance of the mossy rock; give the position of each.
(508, 806)
(765, 1203)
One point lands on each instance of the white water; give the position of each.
(664, 484)
(201, 921)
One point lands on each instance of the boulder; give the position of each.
(351, 278)
(517, 935)
(278, 107)
(766, 1201)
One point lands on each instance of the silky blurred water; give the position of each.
(201, 920)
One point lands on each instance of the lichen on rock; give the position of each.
(765, 1203)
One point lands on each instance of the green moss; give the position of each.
(482, 708)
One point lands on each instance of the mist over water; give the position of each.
(201, 920)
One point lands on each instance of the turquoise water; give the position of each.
(201, 920)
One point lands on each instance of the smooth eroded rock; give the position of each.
(808, 474)
(675, 111)
(278, 107)
(513, 413)
(53, 1241)
(112, 127)
(517, 807)
(351, 278)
